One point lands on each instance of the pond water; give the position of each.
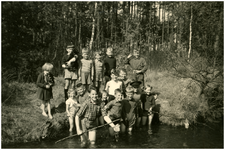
(163, 136)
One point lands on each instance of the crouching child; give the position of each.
(86, 119)
(112, 112)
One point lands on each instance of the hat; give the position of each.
(135, 84)
(70, 46)
(129, 89)
(155, 93)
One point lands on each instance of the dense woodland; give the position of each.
(37, 32)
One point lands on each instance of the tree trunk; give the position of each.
(190, 37)
(93, 27)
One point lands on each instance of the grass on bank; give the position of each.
(21, 112)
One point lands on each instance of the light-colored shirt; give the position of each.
(86, 65)
(112, 85)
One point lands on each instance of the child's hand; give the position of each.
(64, 66)
(129, 55)
(47, 86)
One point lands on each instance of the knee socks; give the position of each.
(66, 94)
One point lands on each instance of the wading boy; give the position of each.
(86, 118)
(98, 70)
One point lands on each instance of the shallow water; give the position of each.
(163, 137)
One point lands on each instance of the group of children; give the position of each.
(123, 104)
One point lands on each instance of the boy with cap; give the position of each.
(138, 65)
(137, 97)
(113, 84)
(86, 71)
(82, 94)
(70, 66)
(109, 64)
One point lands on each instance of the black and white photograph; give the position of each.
(112, 74)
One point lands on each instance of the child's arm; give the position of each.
(79, 71)
(107, 87)
(92, 70)
(39, 84)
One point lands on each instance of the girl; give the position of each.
(45, 82)
(71, 108)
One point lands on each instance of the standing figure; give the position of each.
(113, 84)
(70, 66)
(45, 81)
(109, 64)
(123, 77)
(72, 106)
(98, 70)
(87, 117)
(138, 65)
(149, 99)
(86, 71)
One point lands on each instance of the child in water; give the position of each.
(72, 107)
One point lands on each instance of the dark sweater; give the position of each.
(109, 64)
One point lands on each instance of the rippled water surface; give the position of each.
(163, 137)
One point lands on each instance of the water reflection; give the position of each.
(163, 137)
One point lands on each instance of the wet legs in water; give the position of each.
(150, 117)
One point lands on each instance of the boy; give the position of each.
(98, 70)
(130, 108)
(104, 101)
(82, 94)
(113, 84)
(113, 111)
(137, 98)
(109, 64)
(86, 71)
(88, 113)
(149, 99)
(70, 66)
(123, 77)
(138, 65)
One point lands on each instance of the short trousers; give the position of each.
(86, 78)
(140, 77)
(71, 75)
(87, 124)
(98, 76)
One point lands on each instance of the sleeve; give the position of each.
(82, 109)
(144, 69)
(127, 60)
(39, 84)
(106, 108)
(64, 59)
